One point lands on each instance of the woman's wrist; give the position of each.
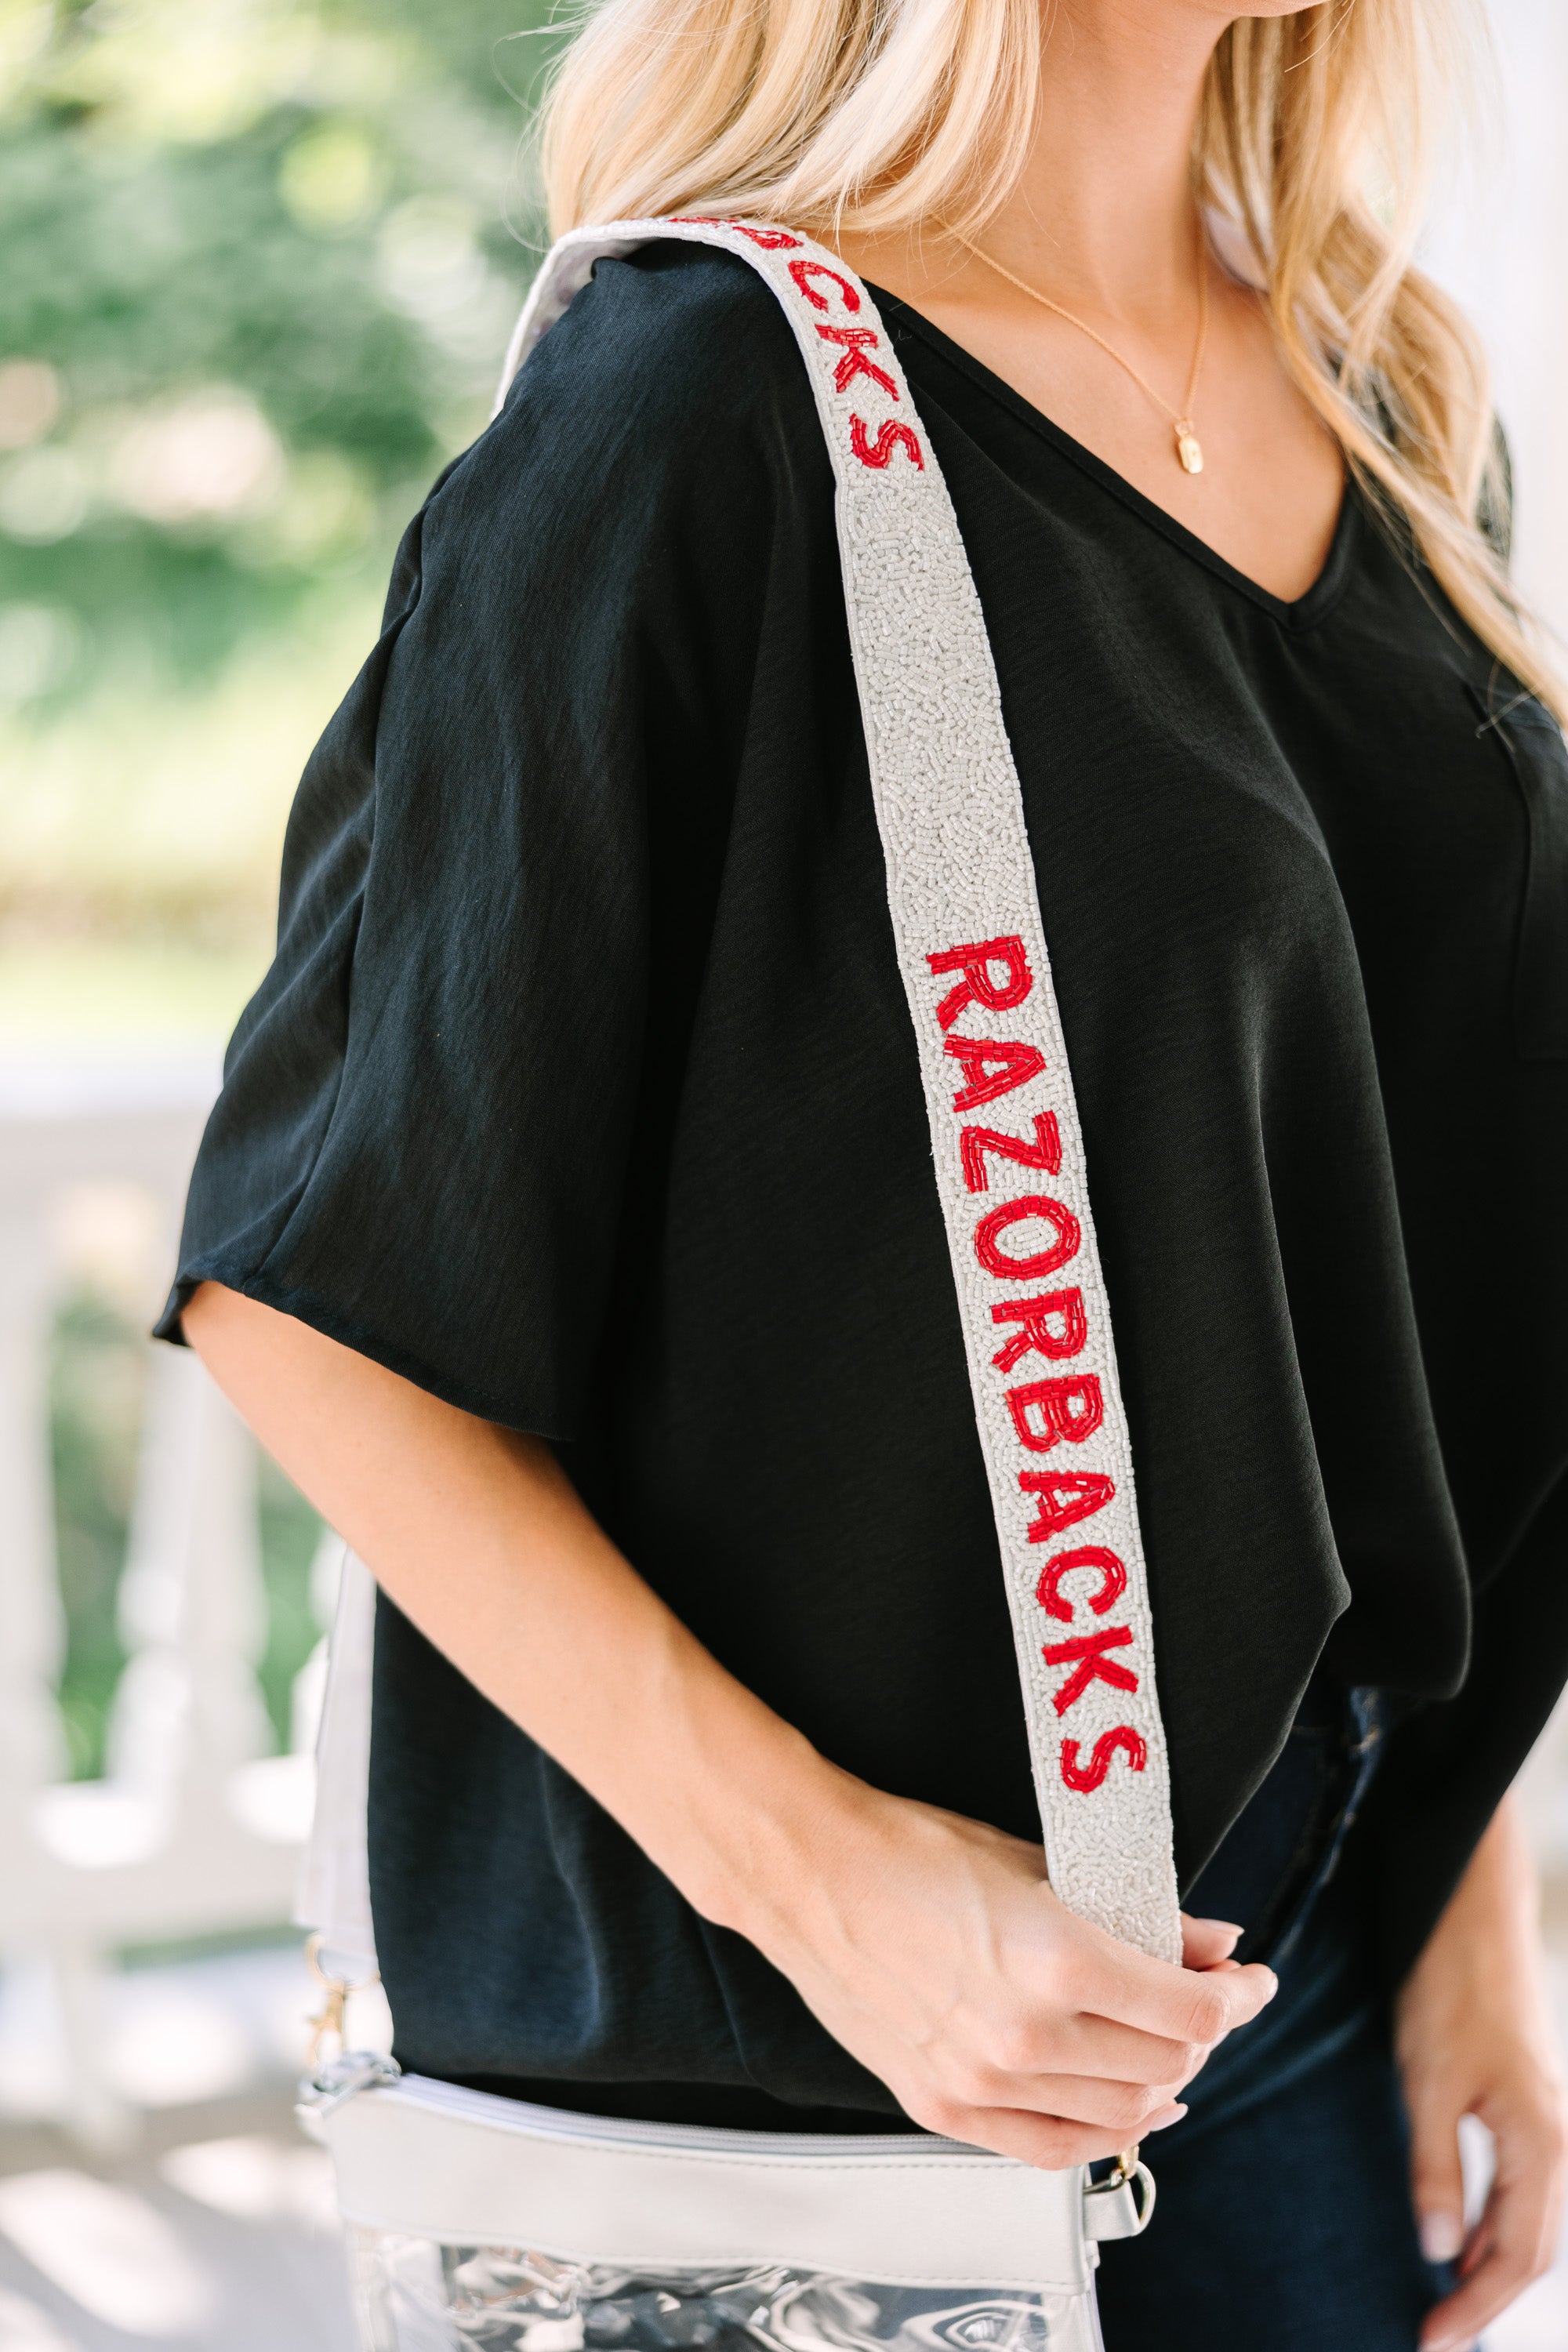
(818, 1837)
(1489, 1930)
(765, 1824)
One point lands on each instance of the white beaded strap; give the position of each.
(1003, 1122)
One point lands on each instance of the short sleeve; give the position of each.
(422, 1142)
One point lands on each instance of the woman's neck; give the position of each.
(1103, 217)
(1103, 225)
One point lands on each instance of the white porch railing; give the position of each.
(198, 1828)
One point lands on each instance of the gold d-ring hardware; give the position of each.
(334, 2005)
(1129, 2173)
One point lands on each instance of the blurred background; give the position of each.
(258, 260)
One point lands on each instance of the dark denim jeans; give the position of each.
(1283, 2223)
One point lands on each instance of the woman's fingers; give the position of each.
(1077, 2033)
(1051, 2143)
(1096, 2045)
(1106, 2011)
(1509, 2253)
(1436, 2177)
(1127, 2108)
(1106, 1979)
(1206, 1942)
(1516, 2237)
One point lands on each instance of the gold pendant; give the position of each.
(1189, 448)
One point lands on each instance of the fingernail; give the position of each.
(1442, 2235)
(1221, 1927)
(1165, 2118)
(1273, 1986)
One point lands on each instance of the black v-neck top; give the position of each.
(583, 1093)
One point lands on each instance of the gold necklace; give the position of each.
(1189, 449)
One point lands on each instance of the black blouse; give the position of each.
(583, 1093)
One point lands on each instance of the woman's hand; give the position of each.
(1475, 2038)
(930, 1946)
(934, 1950)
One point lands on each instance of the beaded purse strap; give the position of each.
(1005, 1134)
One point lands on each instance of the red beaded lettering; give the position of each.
(1045, 1151)
(1072, 1408)
(803, 272)
(1113, 1580)
(1064, 1497)
(1088, 1777)
(1086, 1653)
(1054, 1326)
(997, 1221)
(854, 362)
(991, 1069)
(889, 437)
(771, 240)
(974, 963)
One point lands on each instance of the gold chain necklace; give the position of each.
(1189, 449)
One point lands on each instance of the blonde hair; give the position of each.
(1313, 135)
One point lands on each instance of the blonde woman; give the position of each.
(566, 1226)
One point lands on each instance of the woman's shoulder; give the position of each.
(688, 324)
(675, 364)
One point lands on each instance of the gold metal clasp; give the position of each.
(1120, 2205)
(332, 2021)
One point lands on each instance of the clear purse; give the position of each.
(413, 2296)
(466, 2216)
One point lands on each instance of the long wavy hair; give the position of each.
(1314, 136)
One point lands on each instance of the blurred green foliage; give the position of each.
(260, 258)
(97, 1378)
(290, 1531)
(95, 1375)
